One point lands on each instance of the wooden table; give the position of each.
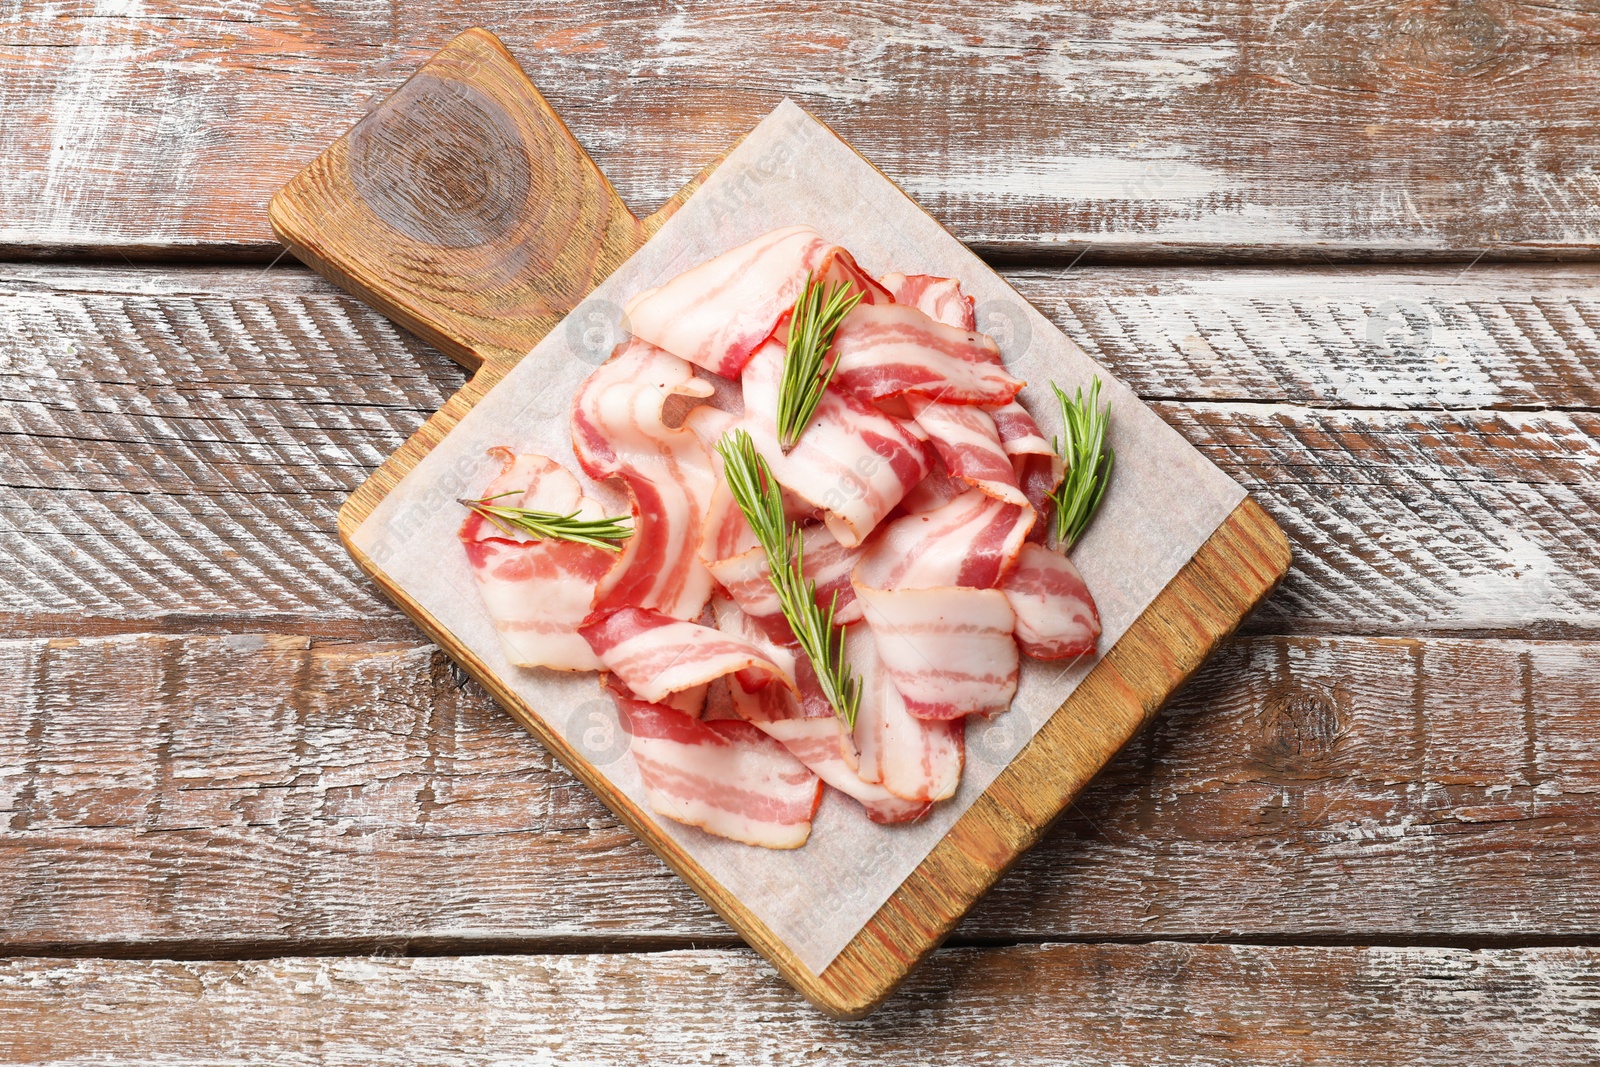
(249, 815)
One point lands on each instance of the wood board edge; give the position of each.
(1233, 572)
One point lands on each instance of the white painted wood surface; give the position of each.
(286, 769)
(249, 794)
(1139, 1005)
(181, 440)
(1303, 128)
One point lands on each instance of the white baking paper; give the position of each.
(1165, 500)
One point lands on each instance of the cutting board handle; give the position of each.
(463, 208)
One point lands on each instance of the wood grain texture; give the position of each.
(475, 105)
(461, 208)
(273, 794)
(174, 443)
(1148, 1005)
(464, 209)
(1290, 128)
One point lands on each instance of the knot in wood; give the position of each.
(1301, 725)
(442, 163)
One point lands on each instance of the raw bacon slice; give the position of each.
(808, 727)
(746, 576)
(617, 430)
(724, 776)
(815, 742)
(1037, 466)
(1019, 433)
(656, 655)
(914, 759)
(536, 592)
(853, 461)
(1038, 477)
(949, 652)
(969, 444)
(889, 350)
(972, 541)
(940, 299)
(716, 314)
(1056, 615)
(934, 491)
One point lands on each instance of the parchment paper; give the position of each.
(1165, 500)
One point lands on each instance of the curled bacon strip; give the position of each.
(1038, 467)
(888, 350)
(1019, 433)
(808, 726)
(944, 633)
(617, 430)
(969, 444)
(724, 776)
(940, 299)
(536, 592)
(746, 577)
(918, 760)
(1056, 616)
(656, 655)
(854, 462)
(715, 315)
(972, 541)
(950, 652)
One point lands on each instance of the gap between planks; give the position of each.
(322, 629)
(201, 950)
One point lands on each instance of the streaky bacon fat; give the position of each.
(617, 431)
(656, 655)
(724, 776)
(537, 592)
(1056, 615)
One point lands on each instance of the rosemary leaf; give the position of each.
(548, 525)
(806, 367)
(758, 496)
(1087, 459)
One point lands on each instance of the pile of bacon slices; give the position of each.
(921, 487)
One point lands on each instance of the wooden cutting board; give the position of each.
(463, 208)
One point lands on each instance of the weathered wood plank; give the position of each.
(263, 794)
(175, 444)
(1492, 336)
(1294, 128)
(1140, 1005)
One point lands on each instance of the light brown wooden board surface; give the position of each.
(463, 208)
(1287, 128)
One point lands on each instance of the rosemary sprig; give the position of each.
(1087, 459)
(545, 525)
(758, 496)
(806, 368)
